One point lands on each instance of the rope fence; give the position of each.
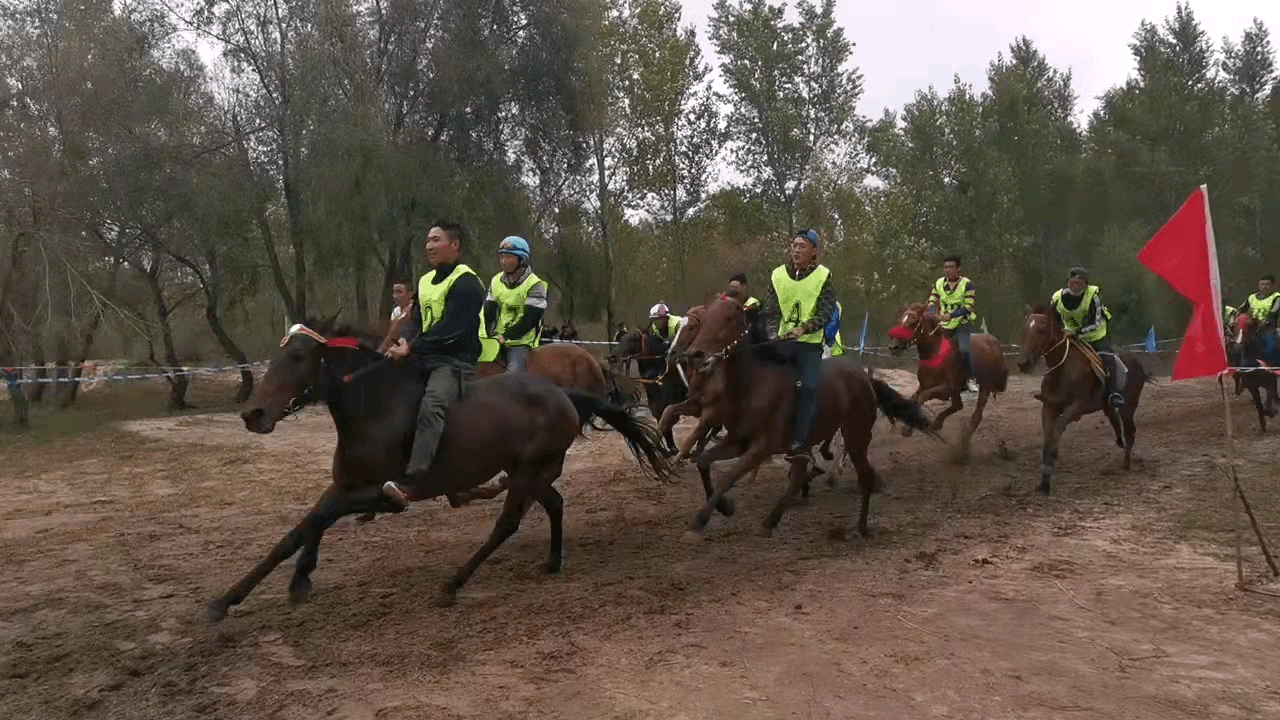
(21, 374)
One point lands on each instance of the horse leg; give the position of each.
(553, 503)
(699, 436)
(672, 413)
(966, 438)
(1257, 404)
(797, 483)
(707, 437)
(723, 450)
(331, 506)
(757, 453)
(956, 406)
(513, 510)
(1049, 415)
(856, 443)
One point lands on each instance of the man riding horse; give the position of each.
(832, 345)
(443, 337)
(800, 304)
(1264, 307)
(663, 324)
(516, 303)
(751, 306)
(955, 296)
(1083, 316)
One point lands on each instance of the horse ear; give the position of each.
(1026, 310)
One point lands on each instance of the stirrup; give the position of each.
(1116, 400)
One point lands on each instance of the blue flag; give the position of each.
(1151, 340)
(862, 338)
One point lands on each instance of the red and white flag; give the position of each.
(1183, 252)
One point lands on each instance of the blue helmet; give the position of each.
(515, 245)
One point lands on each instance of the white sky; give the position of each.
(905, 46)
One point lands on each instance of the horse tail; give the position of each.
(897, 407)
(623, 389)
(642, 438)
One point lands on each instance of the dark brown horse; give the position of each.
(516, 422)
(662, 383)
(752, 390)
(1073, 387)
(941, 372)
(1252, 344)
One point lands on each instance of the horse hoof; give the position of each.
(216, 610)
(1043, 489)
(445, 598)
(551, 568)
(299, 591)
(906, 431)
(764, 531)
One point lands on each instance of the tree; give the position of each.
(791, 95)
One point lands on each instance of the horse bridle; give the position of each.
(307, 395)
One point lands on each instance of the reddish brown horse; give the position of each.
(1073, 387)
(752, 390)
(515, 422)
(1252, 344)
(941, 372)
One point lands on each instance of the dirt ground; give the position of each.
(1111, 599)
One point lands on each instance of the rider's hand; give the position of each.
(502, 340)
(1069, 333)
(398, 351)
(795, 333)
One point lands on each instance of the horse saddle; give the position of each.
(1095, 360)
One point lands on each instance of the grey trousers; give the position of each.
(446, 379)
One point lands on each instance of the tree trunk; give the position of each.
(602, 198)
(263, 223)
(87, 337)
(179, 381)
(42, 372)
(362, 287)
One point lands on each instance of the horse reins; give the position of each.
(304, 398)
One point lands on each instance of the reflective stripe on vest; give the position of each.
(798, 300)
(948, 301)
(431, 297)
(1260, 308)
(1075, 319)
(511, 304)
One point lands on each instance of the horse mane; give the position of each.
(1039, 309)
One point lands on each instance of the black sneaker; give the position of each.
(797, 452)
(1116, 400)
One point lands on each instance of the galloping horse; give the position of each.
(753, 393)
(1073, 387)
(941, 371)
(1264, 356)
(516, 422)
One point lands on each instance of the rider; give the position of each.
(800, 304)
(1264, 305)
(403, 298)
(443, 337)
(751, 306)
(516, 303)
(663, 324)
(1083, 316)
(955, 295)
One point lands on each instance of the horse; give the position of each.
(1073, 387)
(941, 372)
(1263, 356)
(519, 423)
(750, 388)
(662, 383)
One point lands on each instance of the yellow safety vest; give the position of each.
(673, 324)
(431, 296)
(949, 301)
(1260, 308)
(511, 307)
(1075, 319)
(751, 304)
(798, 300)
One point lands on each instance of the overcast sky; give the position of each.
(905, 46)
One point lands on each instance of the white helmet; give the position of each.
(658, 311)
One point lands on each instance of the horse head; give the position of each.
(1245, 330)
(722, 326)
(915, 322)
(295, 370)
(1040, 334)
